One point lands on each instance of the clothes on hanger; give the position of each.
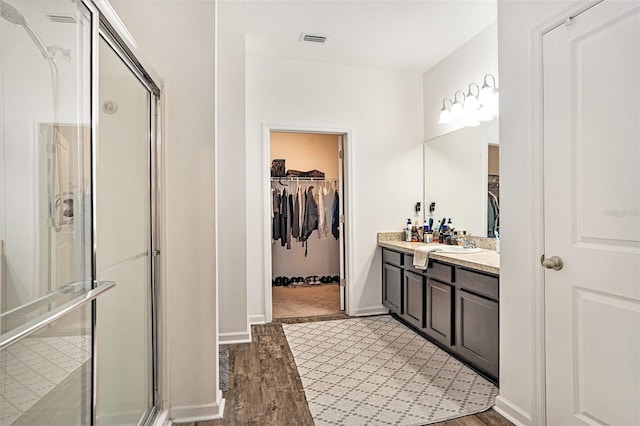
(493, 215)
(335, 216)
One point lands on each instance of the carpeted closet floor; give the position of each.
(305, 301)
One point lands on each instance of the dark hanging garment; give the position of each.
(283, 218)
(310, 221)
(295, 217)
(290, 214)
(335, 216)
(276, 216)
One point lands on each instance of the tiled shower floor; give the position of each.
(33, 367)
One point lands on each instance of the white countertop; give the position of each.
(486, 260)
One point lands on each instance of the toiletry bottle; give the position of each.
(428, 237)
(414, 232)
(436, 236)
(420, 232)
(407, 231)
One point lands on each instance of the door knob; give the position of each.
(554, 262)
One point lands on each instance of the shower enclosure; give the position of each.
(79, 157)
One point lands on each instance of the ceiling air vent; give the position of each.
(62, 19)
(313, 38)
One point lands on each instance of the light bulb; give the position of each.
(445, 116)
(471, 103)
(486, 93)
(445, 113)
(457, 111)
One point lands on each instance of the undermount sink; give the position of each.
(457, 249)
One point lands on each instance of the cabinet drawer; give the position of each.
(440, 272)
(408, 264)
(391, 257)
(475, 282)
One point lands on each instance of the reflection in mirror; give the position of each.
(461, 176)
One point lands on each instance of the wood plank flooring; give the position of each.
(265, 388)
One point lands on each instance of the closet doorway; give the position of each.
(307, 247)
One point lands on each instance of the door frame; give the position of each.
(539, 409)
(346, 196)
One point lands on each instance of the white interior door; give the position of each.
(592, 209)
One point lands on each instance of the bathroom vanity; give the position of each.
(454, 302)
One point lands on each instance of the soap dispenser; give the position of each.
(407, 231)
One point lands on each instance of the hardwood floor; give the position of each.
(265, 388)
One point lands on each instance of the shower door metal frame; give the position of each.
(106, 25)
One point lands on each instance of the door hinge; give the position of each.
(343, 282)
(155, 253)
(341, 154)
(341, 218)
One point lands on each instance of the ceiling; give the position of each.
(409, 36)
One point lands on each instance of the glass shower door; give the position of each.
(123, 215)
(45, 213)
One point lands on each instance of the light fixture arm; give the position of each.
(493, 80)
(470, 93)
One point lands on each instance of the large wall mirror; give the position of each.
(461, 176)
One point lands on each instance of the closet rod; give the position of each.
(292, 178)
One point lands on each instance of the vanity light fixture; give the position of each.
(487, 92)
(457, 110)
(445, 113)
(471, 103)
(478, 104)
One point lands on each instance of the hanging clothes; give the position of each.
(493, 215)
(283, 218)
(290, 216)
(276, 216)
(322, 229)
(295, 215)
(310, 221)
(335, 216)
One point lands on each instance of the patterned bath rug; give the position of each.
(376, 371)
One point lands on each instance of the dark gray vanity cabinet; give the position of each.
(456, 307)
(440, 308)
(392, 280)
(413, 288)
(478, 319)
(392, 288)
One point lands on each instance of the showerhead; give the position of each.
(11, 14)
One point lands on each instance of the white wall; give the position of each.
(383, 109)
(515, 23)
(178, 38)
(468, 64)
(231, 197)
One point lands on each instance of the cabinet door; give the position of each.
(477, 331)
(439, 312)
(413, 307)
(392, 287)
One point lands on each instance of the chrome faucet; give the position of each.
(468, 244)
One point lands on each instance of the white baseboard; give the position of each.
(234, 338)
(372, 310)
(257, 319)
(197, 413)
(512, 412)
